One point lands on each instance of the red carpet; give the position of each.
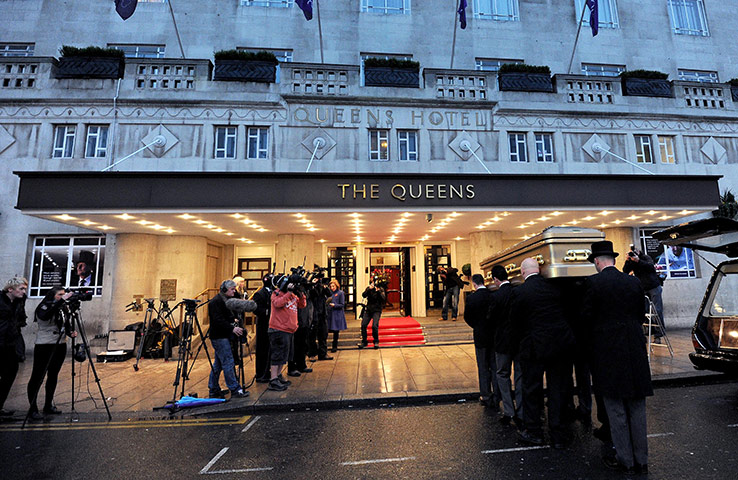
(397, 331)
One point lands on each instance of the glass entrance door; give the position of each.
(435, 256)
(342, 267)
(406, 298)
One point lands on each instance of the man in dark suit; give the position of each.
(477, 306)
(506, 349)
(545, 342)
(614, 309)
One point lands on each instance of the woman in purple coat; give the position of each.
(337, 320)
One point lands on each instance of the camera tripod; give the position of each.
(75, 321)
(184, 366)
(160, 320)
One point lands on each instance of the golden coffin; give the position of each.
(560, 251)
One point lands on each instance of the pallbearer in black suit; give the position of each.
(614, 310)
(546, 341)
(506, 349)
(477, 306)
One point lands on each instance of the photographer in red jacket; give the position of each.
(282, 325)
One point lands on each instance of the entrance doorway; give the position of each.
(390, 267)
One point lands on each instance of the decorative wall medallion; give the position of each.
(463, 146)
(324, 146)
(6, 139)
(588, 147)
(713, 150)
(156, 131)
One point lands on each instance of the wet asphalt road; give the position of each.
(693, 435)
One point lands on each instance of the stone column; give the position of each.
(483, 245)
(294, 249)
(621, 238)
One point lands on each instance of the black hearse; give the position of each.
(715, 333)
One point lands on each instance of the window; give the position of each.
(267, 3)
(607, 13)
(688, 17)
(666, 149)
(602, 70)
(63, 141)
(643, 149)
(225, 142)
(141, 51)
(501, 10)
(16, 49)
(703, 76)
(544, 147)
(401, 7)
(408, 145)
(518, 150)
(258, 139)
(379, 145)
(492, 64)
(670, 262)
(67, 261)
(97, 141)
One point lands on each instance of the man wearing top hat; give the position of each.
(613, 311)
(84, 266)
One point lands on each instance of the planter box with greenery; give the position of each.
(240, 66)
(90, 62)
(381, 72)
(646, 83)
(519, 77)
(734, 88)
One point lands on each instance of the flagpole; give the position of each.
(453, 44)
(320, 31)
(176, 30)
(576, 40)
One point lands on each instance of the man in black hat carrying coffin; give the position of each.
(613, 312)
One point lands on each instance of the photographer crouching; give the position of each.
(223, 324)
(50, 349)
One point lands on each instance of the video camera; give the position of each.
(79, 295)
(190, 304)
(296, 280)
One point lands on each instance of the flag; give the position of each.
(594, 18)
(462, 13)
(125, 8)
(307, 8)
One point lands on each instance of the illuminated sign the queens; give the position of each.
(408, 191)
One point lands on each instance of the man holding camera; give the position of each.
(453, 285)
(641, 265)
(282, 324)
(223, 324)
(319, 294)
(375, 298)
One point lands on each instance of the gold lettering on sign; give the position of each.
(465, 119)
(374, 191)
(343, 187)
(470, 191)
(362, 191)
(398, 191)
(317, 116)
(442, 190)
(459, 192)
(420, 191)
(338, 115)
(430, 190)
(435, 118)
(414, 116)
(481, 119)
(304, 115)
(355, 115)
(450, 118)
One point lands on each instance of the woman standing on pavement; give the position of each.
(50, 349)
(338, 318)
(12, 347)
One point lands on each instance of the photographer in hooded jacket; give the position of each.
(12, 348)
(50, 349)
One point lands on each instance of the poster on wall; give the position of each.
(670, 262)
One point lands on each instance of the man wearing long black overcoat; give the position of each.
(545, 346)
(614, 311)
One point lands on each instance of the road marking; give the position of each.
(653, 435)
(165, 423)
(252, 422)
(206, 468)
(378, 460)
(516, 449)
